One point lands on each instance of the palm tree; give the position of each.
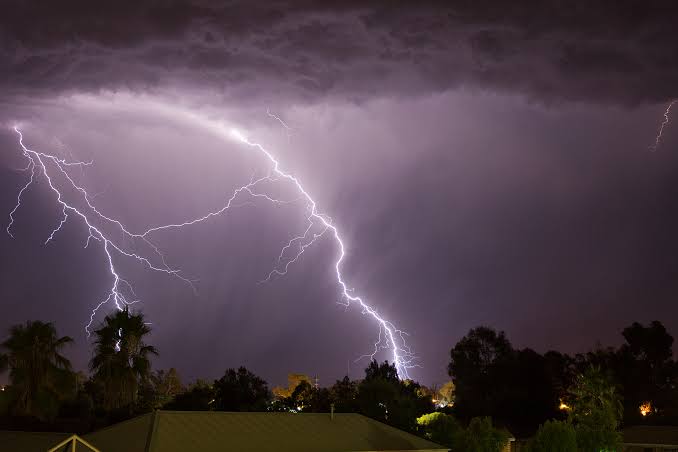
(121, 360)
(36, 367)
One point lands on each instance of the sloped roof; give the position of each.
(128, 436)
(170, 431)
(659, 435)
(29, 441)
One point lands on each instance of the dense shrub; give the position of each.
(440, 428)
(554, 436)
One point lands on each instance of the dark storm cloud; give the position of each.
(606, 51)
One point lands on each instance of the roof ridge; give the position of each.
(151, 430)
(211, 430)
(118, 424)
(396, 430)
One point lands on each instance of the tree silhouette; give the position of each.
(343, 395)
(241, 390)
(37, 368)
(491, 378)
(384, 371)
(646, 371)
(383, 396)
(199, 397)
(121, 361)
(166, 385)
(476, 368)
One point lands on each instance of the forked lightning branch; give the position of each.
(114, 237)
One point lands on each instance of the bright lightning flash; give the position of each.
(121, 292)
(389, 336)
(660, 132)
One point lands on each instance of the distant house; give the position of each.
(213, 431)
(650, 438)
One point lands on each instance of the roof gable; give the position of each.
(208, 431)
(219, 431)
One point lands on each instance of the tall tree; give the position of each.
(166, 385)
(37, 368)
(309, 399)
(492, 378)
(385, 371)
(652, 344)
(121, 361)
(343, 395)
(378, 392)
(241, 390)
(560, 369)
(647, 372)
(383, 396)
(476, 369)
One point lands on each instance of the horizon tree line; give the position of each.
(494, 388)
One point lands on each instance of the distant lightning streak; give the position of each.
(121, 292)
(288, 129)
(660, 132)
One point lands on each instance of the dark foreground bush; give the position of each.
(554, 436)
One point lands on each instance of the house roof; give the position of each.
(29, 441)
(130, 436)
(655, 435)
(223, 431)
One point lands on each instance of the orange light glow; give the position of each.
(645, 408)
(563, 406)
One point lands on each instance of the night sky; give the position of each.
(487, 163)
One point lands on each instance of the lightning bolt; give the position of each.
(117, 343)
(50, 166)
(121, 292)
(660, 132)
(389, 337)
